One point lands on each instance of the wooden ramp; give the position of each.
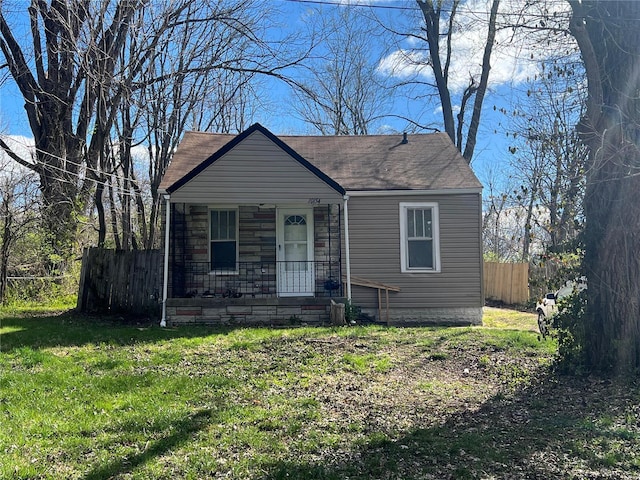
(363, 282)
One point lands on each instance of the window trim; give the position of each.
(404, 240)
(237, 239)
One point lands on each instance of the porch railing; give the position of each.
(257, 279)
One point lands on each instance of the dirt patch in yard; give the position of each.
(447, 407)
(96, 401)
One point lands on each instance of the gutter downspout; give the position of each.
(346, 246)
(165, 280)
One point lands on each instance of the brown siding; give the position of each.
(258, 172)
(374, 228)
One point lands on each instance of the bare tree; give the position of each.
(339, 94)
(449, 62)
(547, 157)
(498, 230)
(18, 213)
(508, 229)
(200, 86)
(93, 61)
(609, 40)
(434, 50)
(476, 87)
(71, 81)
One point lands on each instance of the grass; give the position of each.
(88, 398)
(509, 319)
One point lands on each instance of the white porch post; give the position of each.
(346, 245)
(165, 280)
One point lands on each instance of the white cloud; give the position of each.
(386, 129)
(404, 64)
(140, 155)
(22, 146)
(515, 57)
(454, 109)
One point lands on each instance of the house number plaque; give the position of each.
(314, 201)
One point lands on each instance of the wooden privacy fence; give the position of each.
(118, 281)
(506, 282)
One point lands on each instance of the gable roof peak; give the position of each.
(198, 168)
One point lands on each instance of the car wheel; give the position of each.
(542, 325)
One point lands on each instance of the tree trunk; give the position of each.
(609, 40)
(5, 244)
(114, 217)
(102, 222)
(61, 204)
(482, 87)
(441, 75)
(526, 240)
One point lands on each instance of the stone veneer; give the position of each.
(249, 311)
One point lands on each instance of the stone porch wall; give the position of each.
(258, 233)
(249, 312)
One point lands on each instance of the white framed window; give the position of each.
(419, 237)
(223, 240)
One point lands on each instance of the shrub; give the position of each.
(570, 332)
(351, 312)
(55, 292)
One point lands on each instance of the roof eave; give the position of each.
(407, 192)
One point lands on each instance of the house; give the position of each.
(266, 229)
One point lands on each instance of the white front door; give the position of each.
(294, 252)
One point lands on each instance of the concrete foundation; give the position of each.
(453, 316)
(301, 311)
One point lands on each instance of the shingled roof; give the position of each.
(358, 162)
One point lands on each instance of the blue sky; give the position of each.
(513, 63)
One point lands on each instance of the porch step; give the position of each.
(363, 282)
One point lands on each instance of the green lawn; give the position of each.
(89, 399)
(509, 319)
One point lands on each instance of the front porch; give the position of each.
(271, 266)
(258, 280)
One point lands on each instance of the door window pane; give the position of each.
(295, 243)
(296, 256)
(295, 229)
